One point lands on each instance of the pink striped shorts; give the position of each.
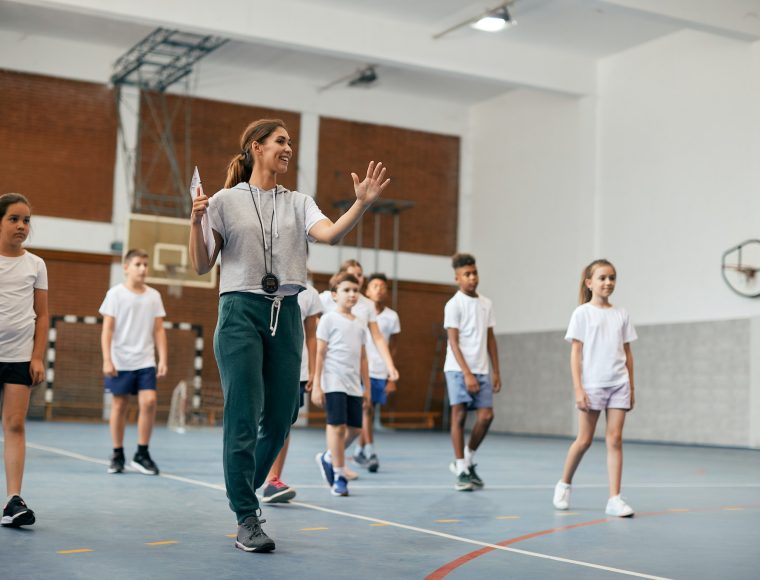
(610, 397)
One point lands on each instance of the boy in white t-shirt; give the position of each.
(133, 316)
(341, 367)
(390, 326)
(469, 322)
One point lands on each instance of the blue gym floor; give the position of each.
(698, 513)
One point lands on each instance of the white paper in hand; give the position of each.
(196, 189)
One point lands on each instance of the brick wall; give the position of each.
(58, 144)
(215, 128)
(424, 168)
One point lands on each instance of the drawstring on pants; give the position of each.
(274, 313)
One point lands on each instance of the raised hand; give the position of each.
(200, 203)
(368, 190)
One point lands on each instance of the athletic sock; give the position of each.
(369, 449)
(142, 449)
(461, 466)
(328, 456)
(339, 472)
(469, 456)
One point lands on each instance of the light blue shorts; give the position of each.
(458, 393)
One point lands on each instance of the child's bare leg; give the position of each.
(146, 400)
(480, 429)
(586, 427)
(336, 443)
(614, 436)
(458, 418)
(15, 405)
(118, 419)
(351, 434)
(279, 462)
(367, 431)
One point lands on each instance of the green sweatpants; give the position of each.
(260, 380)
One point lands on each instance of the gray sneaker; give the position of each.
(475, 478)
(464, 482)
(251, 537)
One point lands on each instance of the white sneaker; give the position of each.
(562, 495)
(618, 508)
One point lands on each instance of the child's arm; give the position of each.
(629, 366)
(390, 386)
(310, 331)
(367, 399)
(576, 358)
(317, 396)
(41, 324)
(159, 336)
(469, 379)
(493, 354)
(106, 335)
(382, 348)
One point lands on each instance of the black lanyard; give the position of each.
(269, 282)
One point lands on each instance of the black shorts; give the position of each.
(343, 409)
(15, 373)
(301, 393)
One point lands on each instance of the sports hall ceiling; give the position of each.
(555, 45)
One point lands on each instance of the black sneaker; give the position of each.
(277, 491)
(361, 459)
(144, 464)
(16, 513)
(251, 538)
(464, 482)
(475, 478)
(373, 463)
(117, 463)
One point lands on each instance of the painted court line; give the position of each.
(425, 531)
(162, 543)
(77, 551)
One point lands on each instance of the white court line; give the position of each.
(537, 486)
(371, 519)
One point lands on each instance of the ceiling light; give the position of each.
(495, 21)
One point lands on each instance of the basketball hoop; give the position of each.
(174, 277)
(740, 267)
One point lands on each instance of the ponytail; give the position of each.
(240, 168)
(585, 292)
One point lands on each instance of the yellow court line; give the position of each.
(313, 529)
(232, 535)
(77, 551)
(733, 509)
(561, 514)
(162, 543)
(507, 517)
(447, 521)
(678, 510)
(379, 525)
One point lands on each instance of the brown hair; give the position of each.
(462, 260)
(240, 167)
(585, 293)
(341, 277)
(350, 264)
(8, 199)
(134, 253)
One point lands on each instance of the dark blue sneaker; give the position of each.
(340, 487)
(360, 459)
(373, 463)
(325, 468)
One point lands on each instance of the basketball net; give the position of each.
(178, 408)
(174, 274)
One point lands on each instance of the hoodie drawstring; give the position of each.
(274, 313)
(274, 204)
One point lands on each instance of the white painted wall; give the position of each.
(531, 197)
(678, 173)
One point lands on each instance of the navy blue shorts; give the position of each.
(15, 373)
(343, 409)
(130, 382)
(378, 391)
(301, 393)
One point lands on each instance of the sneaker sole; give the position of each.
(114, 470)
(630, 515)
(141, 469)
(338, 494)
(373, 468)
(261, 549)
(280, 497)
(468, 487)
(480, 485)
(21, 519)
(318, 459)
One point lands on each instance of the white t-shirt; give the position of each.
(19, 278)
(603, 332)
(472, 317)
(132, 345)
(389, 324)
(364, 307)
(310, 305)
(342, 369)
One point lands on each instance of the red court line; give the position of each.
(446, 569)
